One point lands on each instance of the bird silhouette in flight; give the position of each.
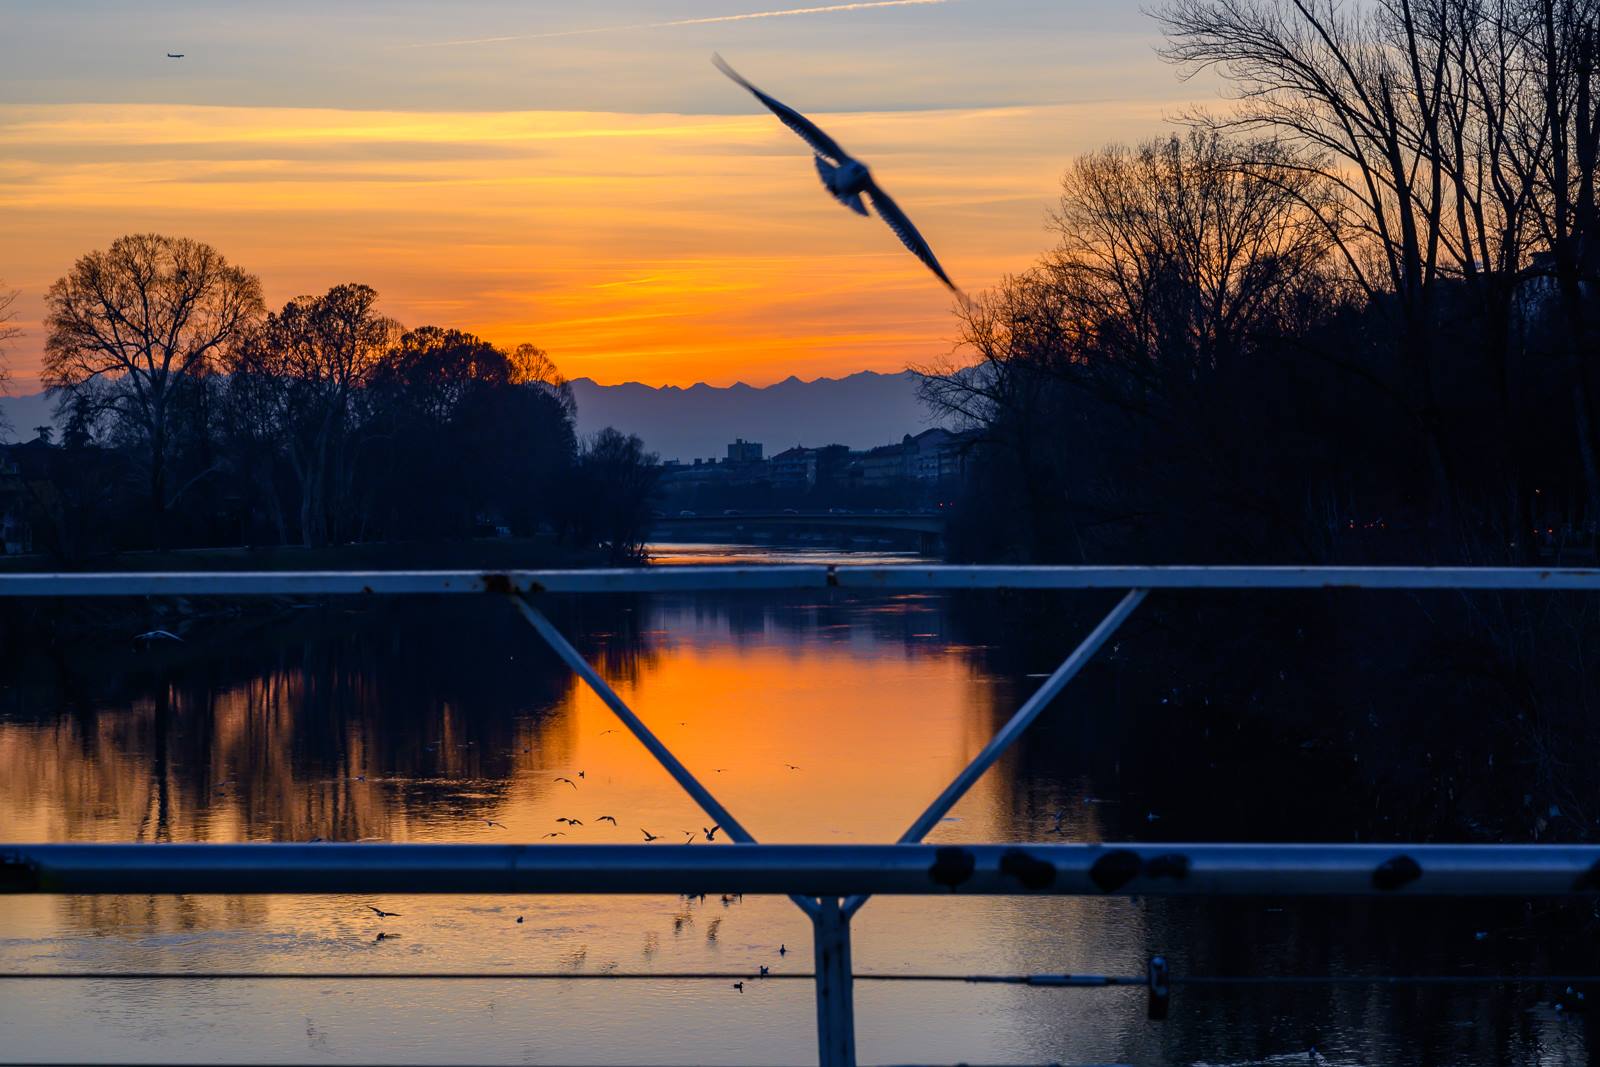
(607, 818)
(648, 836)
(847, 178)
(791, 766)
(569, 781)
(688, 836)
(491, 822)
(556, 833)
(711, 833)
(174, 55)
(383, 914)
(604, 732)
(571, 822)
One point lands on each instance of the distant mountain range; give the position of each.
(20, 414)
(860, 410)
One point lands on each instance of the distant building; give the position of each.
(675, 475)
(884, 466)
(742, 451)
(932, 456)
(833, 464)
(801, 468)
(935, 455)
(794, 468)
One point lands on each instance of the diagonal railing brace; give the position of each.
(1008, 734)
(713, 807)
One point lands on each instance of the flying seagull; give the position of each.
(845, 177)
(384, 914)
(569, 781)
(711, 832)
(607, 818)
(174, 55)
(648, 836)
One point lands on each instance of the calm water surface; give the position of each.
(422, 721)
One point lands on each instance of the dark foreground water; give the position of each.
(814, 718)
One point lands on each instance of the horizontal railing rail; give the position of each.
(829, 882)
(897, 578)
(808, 870)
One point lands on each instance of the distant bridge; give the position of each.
(928, 526)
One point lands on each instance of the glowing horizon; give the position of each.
(673, 235)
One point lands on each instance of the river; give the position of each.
(815, 718)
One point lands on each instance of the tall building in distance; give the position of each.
(742, 451)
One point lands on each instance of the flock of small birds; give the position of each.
(680, 920)
(684, 917)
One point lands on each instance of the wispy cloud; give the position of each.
(829, 9)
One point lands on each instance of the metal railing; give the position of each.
(829, 882)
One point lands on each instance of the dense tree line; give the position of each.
(1353, 316)
(192, 416)
(1350, 318)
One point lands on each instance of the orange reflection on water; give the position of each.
(874, 717)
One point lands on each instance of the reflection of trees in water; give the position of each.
(609, 630)
(341, 725)
(263, 737)
(1291, 717)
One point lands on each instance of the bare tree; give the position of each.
(1173, 260)
(1563, 38)
(532, 365)
(133, 325)
(8, 332)
(1363, 88)
(1174, 254)
(1463, 135)
(615, 479)
(305, 365)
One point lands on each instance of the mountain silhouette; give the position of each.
(860, 410)
(20, 414)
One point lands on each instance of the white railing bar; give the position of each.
(1013, 729)
(1144, 869)
(710, 578)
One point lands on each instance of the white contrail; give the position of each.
(785, 13)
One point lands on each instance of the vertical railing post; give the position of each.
(836, 1012)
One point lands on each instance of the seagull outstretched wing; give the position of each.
(820, 143)
(890, 212)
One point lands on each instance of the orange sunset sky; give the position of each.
(575, 175)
